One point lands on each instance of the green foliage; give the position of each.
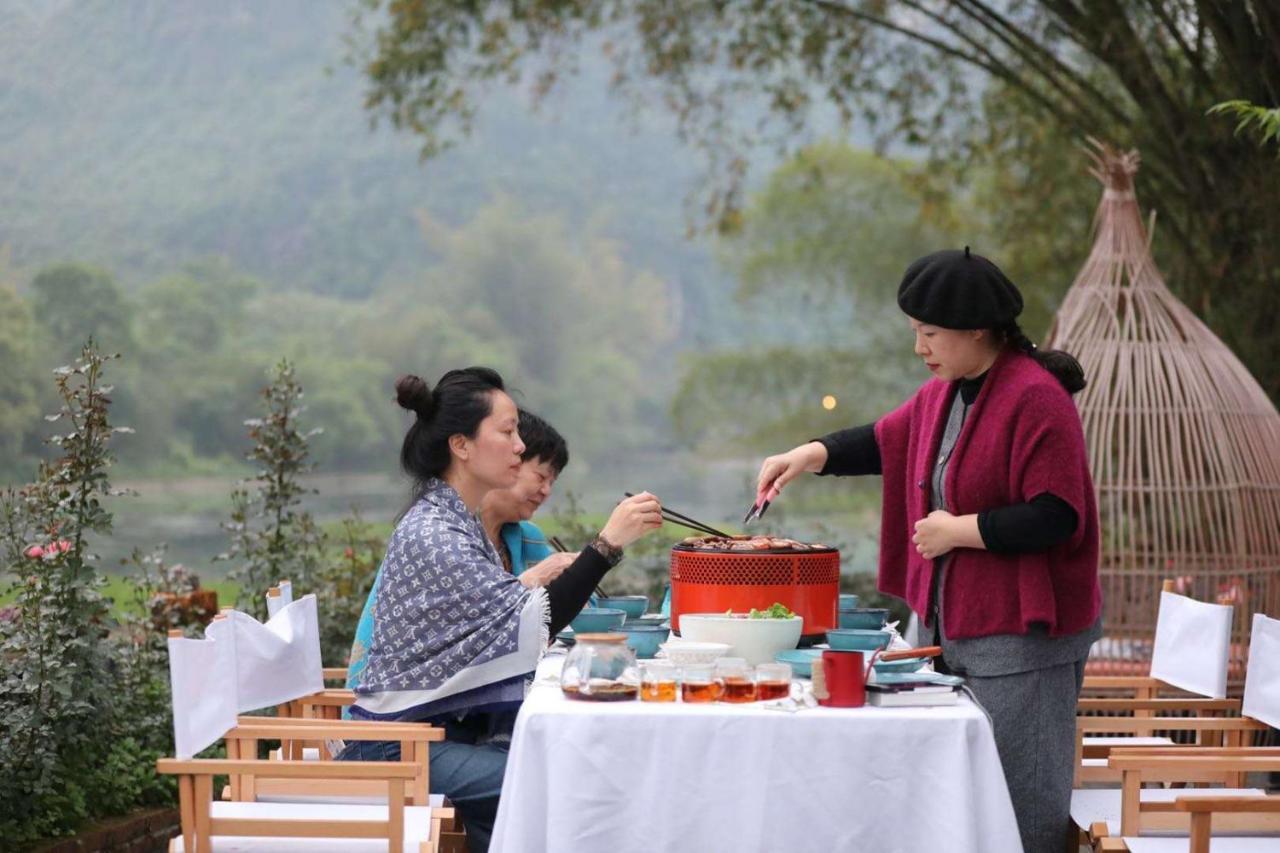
(19, 407)
(81, 712)
(75, 302)
(821, 247)
(343, 584)
(931, 75)
(1267, 121)
(272, 538)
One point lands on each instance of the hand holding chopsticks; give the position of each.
(685, 521)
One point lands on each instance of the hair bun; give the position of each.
(413, 393)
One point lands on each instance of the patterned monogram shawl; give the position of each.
(452, 630)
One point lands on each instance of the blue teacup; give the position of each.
(848, 601)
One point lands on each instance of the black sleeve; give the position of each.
(1037, 525)
(851, 452)
(569, 592)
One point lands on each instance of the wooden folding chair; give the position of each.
(1150, 818)
(268, 827)
(254, 783)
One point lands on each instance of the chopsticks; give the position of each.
(685, 521)
(554, 542)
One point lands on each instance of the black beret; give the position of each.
(957, 290)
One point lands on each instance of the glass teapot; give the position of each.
(600, 668)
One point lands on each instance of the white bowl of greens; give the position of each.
(755, 636)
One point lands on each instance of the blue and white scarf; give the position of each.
(453, 631)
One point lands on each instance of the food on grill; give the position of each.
(748, 543)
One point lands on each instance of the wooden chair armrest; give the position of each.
(1213, 763)
(1167, 704)
(344, 729)
(287, 769)
(1228, 804)
(1187, 724)
(1191, 751)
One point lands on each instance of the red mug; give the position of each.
(845, 678)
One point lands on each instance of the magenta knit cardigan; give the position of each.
(1022, 437)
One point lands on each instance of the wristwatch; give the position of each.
(612, 553)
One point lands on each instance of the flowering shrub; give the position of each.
(70, 694)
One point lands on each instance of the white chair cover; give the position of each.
(1262, 681)
(241, 665)
(1193, 640)
(286, 591)
(277, 661)
(274, 604)
(202, 677)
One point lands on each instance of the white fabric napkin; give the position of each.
(1262, 681)
(1192, 643)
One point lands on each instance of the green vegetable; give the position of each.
(776, 611)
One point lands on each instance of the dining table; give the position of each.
(614, 777)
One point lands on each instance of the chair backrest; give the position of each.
(1262, 681)
(1192, 644)
(241, 665)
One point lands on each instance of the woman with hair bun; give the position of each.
(456, 637)
(989, 528)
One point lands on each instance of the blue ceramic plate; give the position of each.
(801, 660)
(909, 677)
(904, 665)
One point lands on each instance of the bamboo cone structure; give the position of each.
(1184, 445)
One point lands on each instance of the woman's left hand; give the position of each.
(547, 570)
(935, 534)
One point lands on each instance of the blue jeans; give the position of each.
(468, 772)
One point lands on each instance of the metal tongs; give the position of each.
(762, 503)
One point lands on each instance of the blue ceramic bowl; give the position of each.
(652, 620)
(801, 660)
(566, 637)
(848, 601)
(857, 640)
(597, 619)
(864, 618)
(632, 605)
(643, 639)
(904, 665)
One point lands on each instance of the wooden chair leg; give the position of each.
(187, 812)
(204, 799)
(395, 814)
(1201, 829)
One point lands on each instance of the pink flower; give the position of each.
(63, 545)
(35, 552)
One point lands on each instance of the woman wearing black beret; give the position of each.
(989, 527)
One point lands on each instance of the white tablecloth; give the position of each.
(638, 776)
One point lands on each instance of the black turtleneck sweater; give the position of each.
(1036, 525)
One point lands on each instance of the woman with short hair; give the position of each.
(456, 637)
